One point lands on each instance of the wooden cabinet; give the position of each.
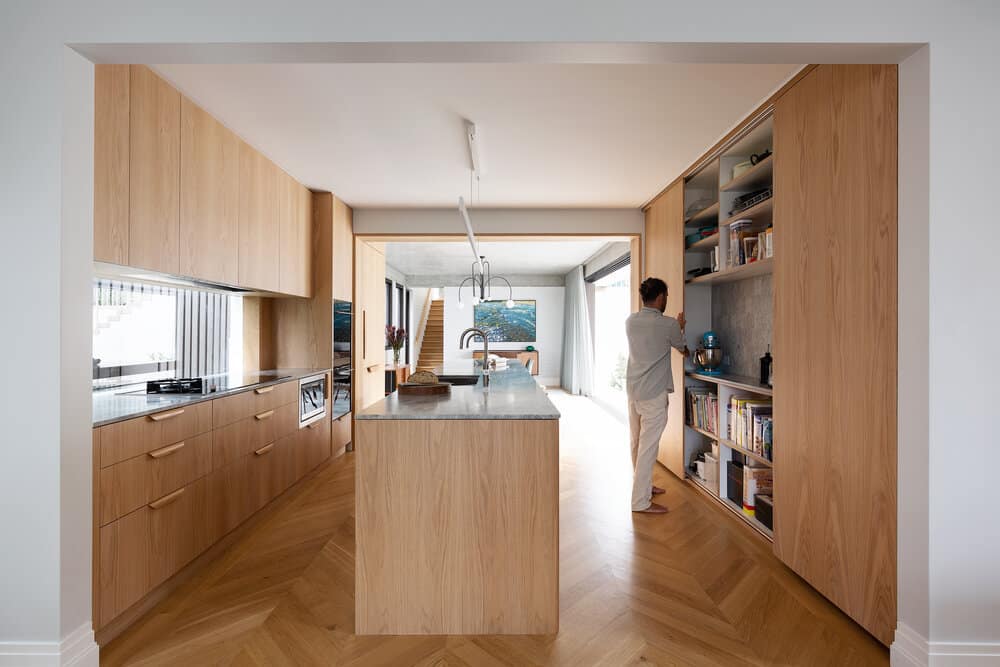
(295, 237)
(835, 337)
(248, 435)
(369, 324)
(111, 163)
(209, 197)
(664, 250)
(343, 250)
(133, 437)
(312, 448)
(340, 435)
(154, 172)
(258, 221)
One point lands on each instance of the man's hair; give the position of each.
(651, 288)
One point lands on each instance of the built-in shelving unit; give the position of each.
(715, 182)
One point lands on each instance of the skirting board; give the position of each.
(77, 649)
(910, 649)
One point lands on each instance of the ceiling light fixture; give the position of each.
(473, 137)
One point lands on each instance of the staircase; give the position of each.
(432, 348)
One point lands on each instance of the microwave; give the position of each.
(312, 399)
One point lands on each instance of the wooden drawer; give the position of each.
(248, 403)
(128, 485)
(341, 432)
(247, 435)
(142, 549)
(269, 471)
(312, 448)
(133, 437)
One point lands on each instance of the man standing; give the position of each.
(649, 381)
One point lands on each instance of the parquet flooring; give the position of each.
(693, 587)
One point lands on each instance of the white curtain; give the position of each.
(578, 344)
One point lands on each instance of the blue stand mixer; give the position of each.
(708, 357)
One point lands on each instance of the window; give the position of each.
(145, 332)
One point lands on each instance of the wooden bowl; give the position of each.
(417, 389)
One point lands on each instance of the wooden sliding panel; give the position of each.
(154, 172)
(369, 325)
(457, 527)
(111, 155)
(664, 259)
(209, 199)
(835, 337)
(343, 250)
(258, 221)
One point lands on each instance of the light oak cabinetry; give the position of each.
(369, 325)
(209, 196)
(258, 221)
(111, 163)
(835, 337)
(664, 234)
(170, 485)
(154, 172)
(343, 250)
(177, 193)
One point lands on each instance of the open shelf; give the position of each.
(704, 245)
(762, 211)
(704, 485)
(753, 178)
(750, 521)
(707, 214)
(745, 452)
(742, 272)
(707, 434)
(736, 381)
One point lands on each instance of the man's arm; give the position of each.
(677, 340)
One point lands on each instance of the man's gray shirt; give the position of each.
(650, 337)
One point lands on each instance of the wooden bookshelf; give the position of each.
(763, 530)
(742, 272)
(704, 485)
(744, 451)
(704, 245)
(758, 213)
(706, 215)
(755, 178)
(707, 434)
(735, 381)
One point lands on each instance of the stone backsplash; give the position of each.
(742, 316)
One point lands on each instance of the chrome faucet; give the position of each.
(463, 341)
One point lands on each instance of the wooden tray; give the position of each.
(415, 389)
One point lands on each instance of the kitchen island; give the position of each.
(457, 525)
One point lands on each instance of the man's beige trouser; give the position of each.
(647, 419)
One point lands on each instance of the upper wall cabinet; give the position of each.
(111, 129)
(343, 251)
(209, 196)
(154, 172)
(259, 235)
(294, 236)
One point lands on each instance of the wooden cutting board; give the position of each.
(416, 389)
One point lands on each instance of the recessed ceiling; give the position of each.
(452, 258)
(551, 135)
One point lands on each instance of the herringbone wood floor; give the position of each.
(693, 587)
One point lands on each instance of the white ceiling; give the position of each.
(505, 257)
(551, 135)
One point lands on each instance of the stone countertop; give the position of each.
(121, 403)
(512, 394)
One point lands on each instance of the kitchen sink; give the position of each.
(459, 380)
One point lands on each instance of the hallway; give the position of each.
(693, 587)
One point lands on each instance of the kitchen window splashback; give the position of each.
(146, 332)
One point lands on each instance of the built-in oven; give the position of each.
(312, 399)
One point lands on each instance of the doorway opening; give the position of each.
(612, 304)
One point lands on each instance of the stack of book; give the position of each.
(747, 245)
(703, 409)
(756, 480)
(751, 424)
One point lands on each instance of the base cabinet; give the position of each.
(160, 504)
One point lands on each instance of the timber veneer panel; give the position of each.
(125, 439)
(664, 241)
(258, 221)
(154, 172)
(343, 250)
(247, 435)
(209, 197)
(245, 404)
(835, 337)
(457, 527)
(111, 163)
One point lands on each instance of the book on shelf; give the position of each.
(703, 409)
(749, 420)
(756, 480)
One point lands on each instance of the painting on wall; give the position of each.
(506, 325)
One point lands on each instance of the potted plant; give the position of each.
(396, 338)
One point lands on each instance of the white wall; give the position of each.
(498, 221)
(549, 311)
(961, 276)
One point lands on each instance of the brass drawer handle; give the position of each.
(166, 451)
(264, 390)
(264, 415)
(167, 415)
(167, 499)
(264, 450)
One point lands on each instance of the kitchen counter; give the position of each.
(120, 403)
(512, 394)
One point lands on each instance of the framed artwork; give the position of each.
(506, 325)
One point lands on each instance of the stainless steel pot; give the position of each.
(709, 359)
